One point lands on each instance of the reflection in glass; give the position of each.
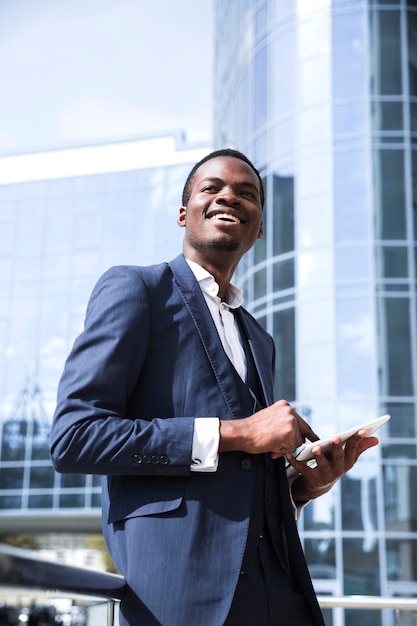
(386, 57)
(351, 210)
(361, 567)
(11, 478)
(350, 118)
(391, 261)
(43, 501)
(387, 116)
(396, 358)
(399, 497)
(402, 559)
(412, 58)
(284, 337)
(321, 557)
(355, 347)
(390, 199)
(353, 263)
(261, 99)
(349, 50)
(259, 282)
(283, 214)
(283, 274)
(41, 477)
(403, 419)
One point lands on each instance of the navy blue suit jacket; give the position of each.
(148, 361)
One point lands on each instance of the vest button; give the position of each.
(246, 464)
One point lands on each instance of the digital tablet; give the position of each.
(307, 455)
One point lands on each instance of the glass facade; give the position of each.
(322, 95)
(60, 229)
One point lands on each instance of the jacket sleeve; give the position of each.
(91, 432)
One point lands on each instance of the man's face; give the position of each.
(224, 212)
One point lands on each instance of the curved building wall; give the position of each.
(322, 96)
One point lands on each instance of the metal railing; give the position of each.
(23, 569)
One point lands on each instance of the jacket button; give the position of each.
(163, 459)
(137, 458)
(246, 464)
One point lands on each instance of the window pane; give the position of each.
(403, 422)
(399, 496)
(396, 366)
(361, 569)
(386, 44)
(387, 116)
(349, 66)
(392, 262)
(284, 337)
(283, 214)
(390, 200)
(283, 275)
(412, 47)
(351, 206)
(402, 560)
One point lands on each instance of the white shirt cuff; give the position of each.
(206, 439)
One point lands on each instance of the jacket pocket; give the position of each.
(143, 503)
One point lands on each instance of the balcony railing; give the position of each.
(23, 570)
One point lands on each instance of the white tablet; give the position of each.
(306, 453)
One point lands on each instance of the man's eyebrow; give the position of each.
(220, 181)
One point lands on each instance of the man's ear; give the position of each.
(261, 230)
(182, 216)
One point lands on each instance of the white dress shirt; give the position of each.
(205, 450)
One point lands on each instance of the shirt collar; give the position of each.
(234, 295)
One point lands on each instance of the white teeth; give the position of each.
(225, 217)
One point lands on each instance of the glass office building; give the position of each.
(323, 96)
(65, 217)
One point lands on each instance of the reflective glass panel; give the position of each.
(361, 572)
(351, 193)
(392, 262)
(355, 347)
(284, 337)
(412, 47)
(387, 116)
(403, 421)
(283, 214)
(283, 275)
(399, 496)
(260, 89)
(396, 368)
(353, 263)
(350, 118)
(386, 57)
(402, 559)
(390, 194)
(350, 50)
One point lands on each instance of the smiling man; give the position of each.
(168, 393)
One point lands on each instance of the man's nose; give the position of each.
(227, 196)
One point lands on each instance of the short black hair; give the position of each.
(225, 152)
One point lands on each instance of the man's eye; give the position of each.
(210, 188)
(247, 193)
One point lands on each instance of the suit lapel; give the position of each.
(259, 346)
(194, 301)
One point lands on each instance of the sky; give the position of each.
(75, 72)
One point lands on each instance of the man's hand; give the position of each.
(315, 481)
(278, 429)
